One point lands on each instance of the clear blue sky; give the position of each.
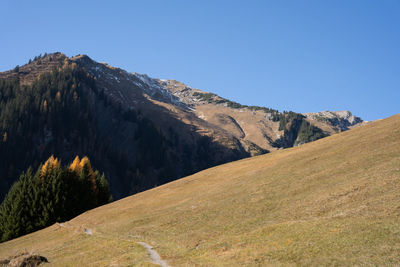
(301, 55)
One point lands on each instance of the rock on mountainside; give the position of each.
(140, 130)
(340, 120)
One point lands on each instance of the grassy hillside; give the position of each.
(335, 201)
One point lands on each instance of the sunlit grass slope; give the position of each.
(335, 201)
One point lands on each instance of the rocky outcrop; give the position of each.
(24, 260)
(343, 120)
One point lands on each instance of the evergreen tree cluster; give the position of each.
(296, 130)
(52, 194)
(308, 133)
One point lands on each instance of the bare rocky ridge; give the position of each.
(31, 71)
(252, 128)
(156, 101)
(338, 120)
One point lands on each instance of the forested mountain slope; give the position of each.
(63, 113)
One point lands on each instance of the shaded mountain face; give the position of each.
(141, 131)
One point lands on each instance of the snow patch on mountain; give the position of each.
(156, 90)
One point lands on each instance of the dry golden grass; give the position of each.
(335, 201)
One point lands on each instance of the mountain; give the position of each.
(140, 131)
(256, 128)
(334, 201)
(332, 122)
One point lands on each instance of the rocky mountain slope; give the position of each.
(258, 129)
(334, 121)
(140, 130)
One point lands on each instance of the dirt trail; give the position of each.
(154, 256)
(88, 231)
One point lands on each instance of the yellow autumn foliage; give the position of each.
(85, 161)
(77, 166)
(51, 163)
(58, 96)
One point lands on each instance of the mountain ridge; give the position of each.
(197, 129)
(209, 107)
